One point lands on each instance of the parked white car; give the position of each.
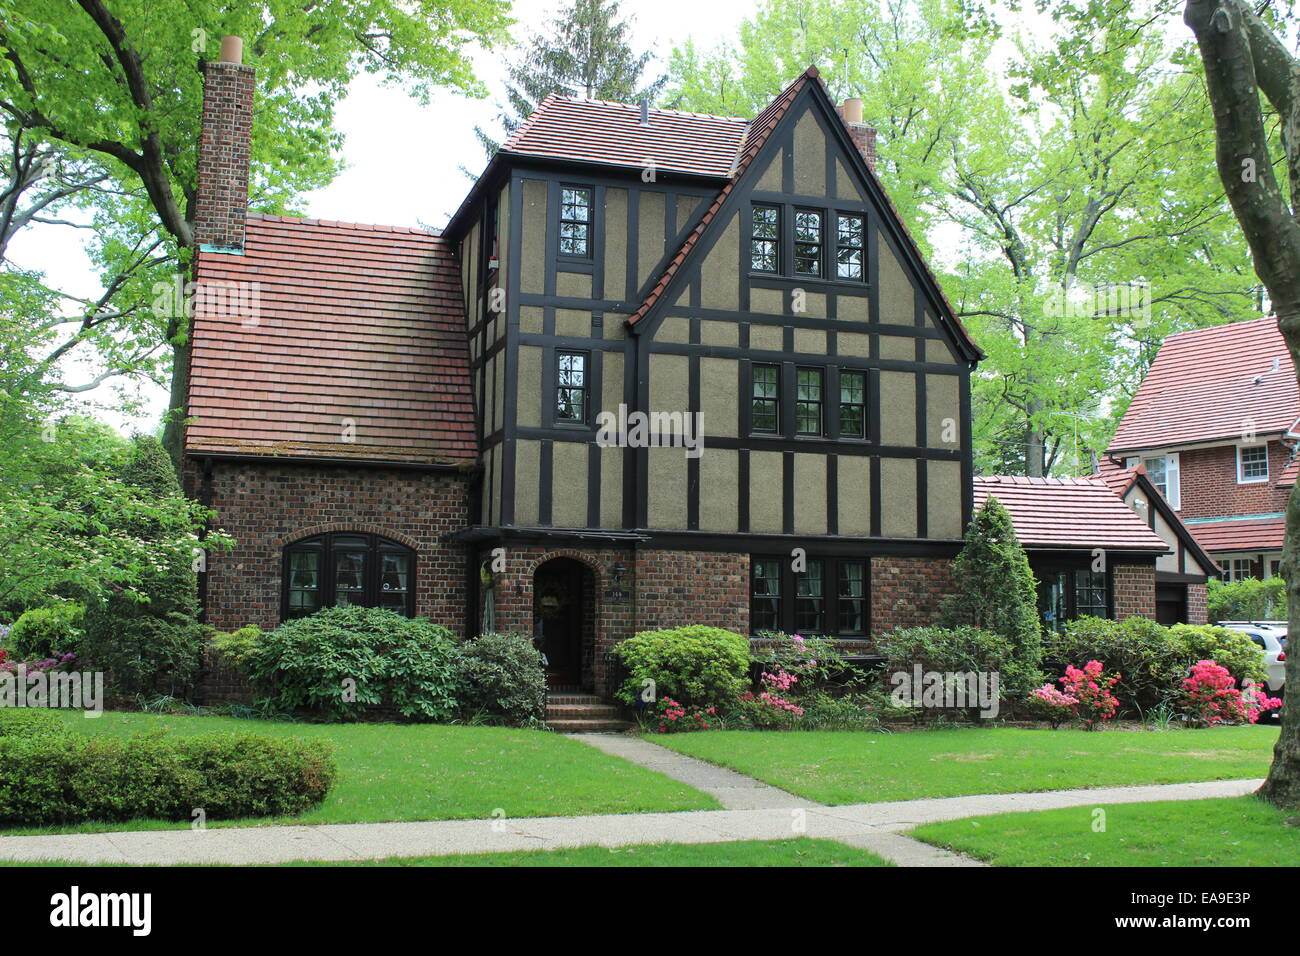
(1271, 638)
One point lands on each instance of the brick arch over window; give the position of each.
(581, 557)
(349, 526)
(345, 566)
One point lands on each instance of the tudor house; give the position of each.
(412, 419)
(1215, 425)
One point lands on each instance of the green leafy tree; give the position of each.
(586, 51)
(995, 588)
(116, 85)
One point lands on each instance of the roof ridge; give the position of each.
(1205, 330)
(341, 224)
(653, 109)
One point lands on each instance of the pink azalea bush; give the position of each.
(771, 707)
(672, 717)
(1090, 687)
(1211, 696)
(1053, 704)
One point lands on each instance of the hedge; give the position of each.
(693, 664)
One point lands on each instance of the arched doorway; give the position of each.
(564, 621)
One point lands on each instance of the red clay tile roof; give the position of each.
(1117, 478)
(1242, 534)
(1289, 474)
(594, 131)
(354, 322)
(1213, 384)
(1068, 513)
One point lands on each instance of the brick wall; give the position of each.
(1197, 605)
(692, 587)
(906, 592)
(221, 200)
(1133, 590)
(1209, 483)
(264, 507)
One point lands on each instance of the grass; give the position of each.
(1231, 831)
(432, 772)
(838, 768)
(802, 851)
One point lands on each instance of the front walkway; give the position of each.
(756, 812)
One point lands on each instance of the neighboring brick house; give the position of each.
(1215, 425)
(1098, 547)
(405, 418)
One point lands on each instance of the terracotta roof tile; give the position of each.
(353, 321)
(1241, 534)
(1213, 384)
(1069, 513)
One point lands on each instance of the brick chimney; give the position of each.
(222, 201)
(862, 134)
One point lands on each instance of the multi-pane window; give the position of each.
(810, 599)
(827, 596)
(575, 221)
(345, 569)
(848, 248)
(852, 597)
(765, 606)
(807, 243)
(766, 406)
(765, 239)
(853, 404)
(1252, 463)
(1237, 569)
(571, 387)
(1066, 594)
(1090, 594)
(808, 401)
(1163, 473)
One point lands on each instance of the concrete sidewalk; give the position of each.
(871, 826)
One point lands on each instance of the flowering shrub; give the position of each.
(60, 662)
(672, 717)
(1211, 696)
(772, 707)
(1053, 705)
(1094, 703)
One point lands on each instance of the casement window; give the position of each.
(571, 388)
(853, 404)
(765, 413)
(1252, 464)
(1236, 569)
(1066, 594)
(1163, 472)
(808, 401)
(575, 222)
(828, 596)
(345, 569)
(808, 243)
(765, 239)
(848, 248)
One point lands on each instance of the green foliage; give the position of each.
(53, 778)
(1249, 599)
(960, 649)
(502, 674)
(342, 662)
(823, 711)
(25, 722)
(1226, 647)
(995, 589)
(46, 631)
(693, 664)
(236, 649)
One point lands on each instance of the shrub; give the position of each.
(343, 660)
(1210, 697)
(771, 708)
(694, 664)
(1090, 689)
(816, 661)
(670, 717)
(1151, 662)
(48, 631)
(29, 722)
(823, 711)
(1248, 599)
(1226, 647)
(236, 649)
(1052, 704)
(959, 650)
(67, 778)
(996, 590)
(502, 674)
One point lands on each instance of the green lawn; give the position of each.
(838, 767)
(1236, 831)
(430, 772)
(802, 851)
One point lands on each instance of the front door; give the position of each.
(558, 619)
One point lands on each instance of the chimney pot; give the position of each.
(232, 49)
(853, 110)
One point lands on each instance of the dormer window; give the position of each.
(575, 222)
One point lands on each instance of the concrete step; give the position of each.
(589, 726)
(566, 699)
(579, 711)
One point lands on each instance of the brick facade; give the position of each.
(1198, 609)
(1209, 489)
(266, 506)
(1133, 591)
(906, 592)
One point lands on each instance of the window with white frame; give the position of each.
(1252, 463)
(1236, 569)
(1163, 472)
